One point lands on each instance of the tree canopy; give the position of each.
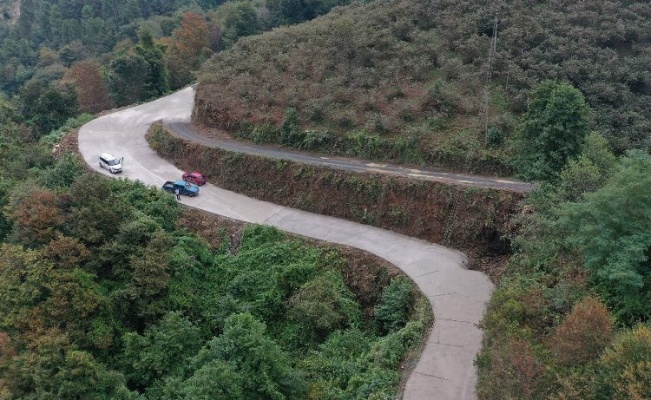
(103, 293)
(552, 131)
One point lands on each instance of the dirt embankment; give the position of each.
(476, 221)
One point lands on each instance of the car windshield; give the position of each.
(188, 186)
(113, 162)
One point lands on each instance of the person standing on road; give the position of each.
(177, 192)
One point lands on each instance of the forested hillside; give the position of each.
(103, 283)
(110, 290)
(418, 81)
(558, 91)
(61, 58)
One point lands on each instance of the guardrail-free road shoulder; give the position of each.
(458, 296)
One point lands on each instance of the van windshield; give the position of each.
(113, 162)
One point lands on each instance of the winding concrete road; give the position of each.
(185, 131)
(458, 296)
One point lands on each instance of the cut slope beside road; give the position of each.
(186, 132)
(458, 296)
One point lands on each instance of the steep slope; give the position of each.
(406, 79)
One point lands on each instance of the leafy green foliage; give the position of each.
(397, 301)
(237, 19)
(47, 107)
(552, 131)
(286, 12)
(96, 210)
(611, 230)
(52, 138)
(163, 349)
(102, 295)
(322, 306)
(214, 380)
(63, 173)
(245, 345)
(157, 80)
(54, 369)
(127, 79)
(581, 268)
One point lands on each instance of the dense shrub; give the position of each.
(109, 298)
(584, 333)
(396, 304)
(579, 271)
(625, 368)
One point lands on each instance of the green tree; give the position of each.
(97, 212)
(238, 19)
(157, 80)
(127, 79)
(46, 106)
(150, 277)
(552, 131)
(54, 369)
(589, 171)
(22, 273)
(322, 306)
(611, 229)
(63, 174)
(246, 346)
(397, 301)
(163, 349)
(214, 380)
(72, 52)
(284, 12)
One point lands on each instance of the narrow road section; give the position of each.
(185, 131)
(445, 370)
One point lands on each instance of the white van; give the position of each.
(111, 163)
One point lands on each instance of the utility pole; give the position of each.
(491, 56)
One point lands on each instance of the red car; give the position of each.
(194, 177)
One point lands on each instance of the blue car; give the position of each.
(184, 188)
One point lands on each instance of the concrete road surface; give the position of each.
(185, 131)
(458, 296)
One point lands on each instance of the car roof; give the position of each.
(195, 173)
(107, 156)
(182, 183)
